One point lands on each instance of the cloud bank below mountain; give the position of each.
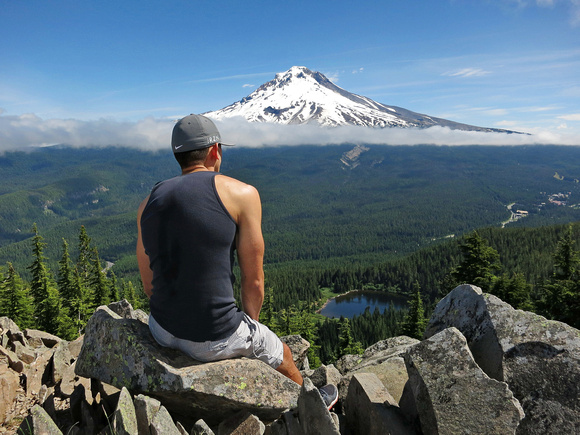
(27, 131)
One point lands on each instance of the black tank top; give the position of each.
(189, 237)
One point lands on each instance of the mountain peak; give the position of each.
(301, 96)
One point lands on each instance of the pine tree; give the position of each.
(267, 312)
(415, 323)
(85, 256)
(560, 296)
(480, 262)
(65, 280)
(72, 312)
(43, 289)
(515, 291)
(129, 294)
(347, 345)
(80, 308)
(113, 289)
(98, 281)
(15, 302)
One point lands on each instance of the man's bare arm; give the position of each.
(142, 257)
(250, 247)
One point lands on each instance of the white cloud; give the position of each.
(332, 76)
(27, 131)
(571, 117)
(467, 72)
(248, 86)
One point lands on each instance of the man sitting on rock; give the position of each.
(188, 229)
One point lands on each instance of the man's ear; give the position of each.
(215, 151)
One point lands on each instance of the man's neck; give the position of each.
(197, 168)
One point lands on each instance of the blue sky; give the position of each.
(85, 71)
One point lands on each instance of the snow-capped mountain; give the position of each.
(300, 96)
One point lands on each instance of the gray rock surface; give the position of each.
(127, 355)
(446, 391)
(39, 423)
(384, 359)
(145, 410)
(201, 428)
(242, 423)
(125, 418)
(370, 409)
(538, 358)
(313, 414)
(452, 394)
(9, 383)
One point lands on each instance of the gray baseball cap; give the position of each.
(194, 132)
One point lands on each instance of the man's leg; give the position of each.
(288, 368)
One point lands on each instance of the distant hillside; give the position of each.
(331, 205)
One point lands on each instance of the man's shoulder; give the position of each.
(234, 186)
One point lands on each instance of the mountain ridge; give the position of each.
(302, 96)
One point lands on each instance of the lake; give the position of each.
(355, 303)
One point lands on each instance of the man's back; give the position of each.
(189, 237)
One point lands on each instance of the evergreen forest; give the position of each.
(415, 221)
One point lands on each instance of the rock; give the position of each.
(145, 410)
(314, 416)
(324, 375)
(39, 422)
(299, 348)
(24, 352)
(370, 409)
(523, 349)
(125, 310)
(124, 418)
(385, 360)
(180, 428)
(201, 428)
(9, 383)
(242, 423)
(387, 348)
(452, 394)
(128, 356)
(7, 324)
(47, 339)
(292, 423)
(38, 372)
(162, 423)
(11, 359)
(65, 354)
(347, 362)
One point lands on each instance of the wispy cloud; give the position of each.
(571, 117)
(28, 131)
(247, 85)
(573, 6)
(467, 72)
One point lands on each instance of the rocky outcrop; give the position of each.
(539, 359)
(128, 356)
(451, 394)
(481, 366)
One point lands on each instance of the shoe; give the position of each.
(329, 395)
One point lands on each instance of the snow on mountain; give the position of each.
(300, 96)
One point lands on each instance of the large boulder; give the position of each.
(121, 352)
(370, 409)
(538, 358)
(452, 394)
(9, 383)
(385, 360)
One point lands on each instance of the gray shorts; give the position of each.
(251, 339)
